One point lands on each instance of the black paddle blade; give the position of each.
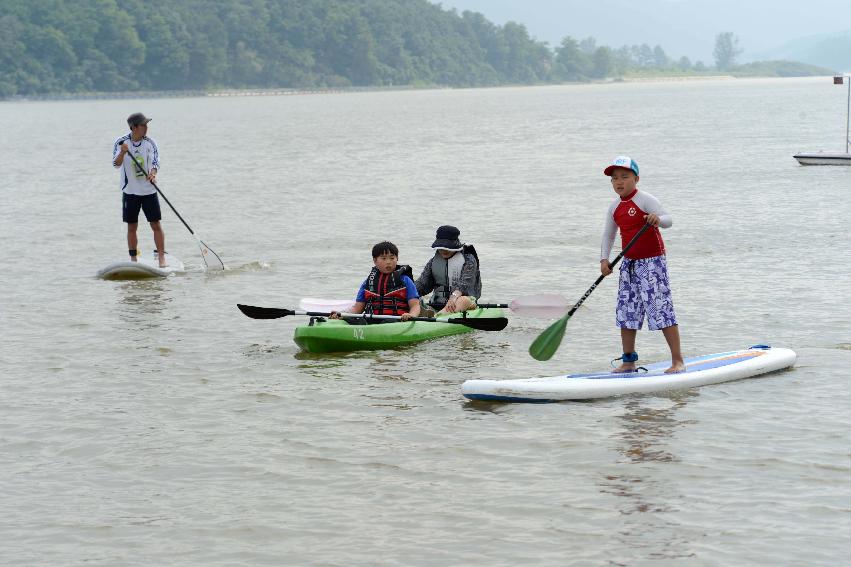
(264, 312)
(481, 324)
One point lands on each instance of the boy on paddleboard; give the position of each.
(452, 273)
(643, 289)
(388, 289)
(137, 191)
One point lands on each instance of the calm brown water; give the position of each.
(150, 423)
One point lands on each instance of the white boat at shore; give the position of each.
(823, 158)
(831, 158)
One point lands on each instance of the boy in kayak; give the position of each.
(643, 288)
(452, 273)
(389, 289)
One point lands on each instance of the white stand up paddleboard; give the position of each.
(700, 371)
(144, 267)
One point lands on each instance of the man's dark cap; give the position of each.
(136, 119)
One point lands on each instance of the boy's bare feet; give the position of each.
(676, 367)
(625, 367)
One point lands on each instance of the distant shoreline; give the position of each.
(208, 93)
(349, 90)
(671, 78)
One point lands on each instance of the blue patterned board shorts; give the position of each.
(644, 290)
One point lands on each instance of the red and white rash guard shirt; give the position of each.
(628, 216)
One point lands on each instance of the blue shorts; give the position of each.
(131, 204)
(644, 291)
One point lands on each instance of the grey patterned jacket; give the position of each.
(434, 275)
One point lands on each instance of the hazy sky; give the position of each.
(681, 27)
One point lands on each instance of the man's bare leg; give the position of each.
(132, 238)
(159, 242)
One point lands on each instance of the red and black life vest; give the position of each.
(385, 294)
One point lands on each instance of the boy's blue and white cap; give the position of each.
(625, 162)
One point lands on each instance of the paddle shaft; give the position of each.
(142, 169)
(612, 264)
(547, 306)
(201, 243)
(284, 312)
(479, 323)
(367, 316)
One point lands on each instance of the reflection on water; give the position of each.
(263, 351)
(143, 303)
(486, 407)
(646, 430)
(467, 342)
(340, 357)
(644, 441)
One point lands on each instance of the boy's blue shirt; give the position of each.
(409, 286)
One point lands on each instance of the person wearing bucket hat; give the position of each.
(137, 190)
(644, 289)
(452, 275)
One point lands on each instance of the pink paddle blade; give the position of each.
(325, 305)
(545, 306)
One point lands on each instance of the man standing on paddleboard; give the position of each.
(137, 175)
(644, 289)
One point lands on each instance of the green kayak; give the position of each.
(334, 335)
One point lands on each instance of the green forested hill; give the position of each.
(105, 45)
(76, 46)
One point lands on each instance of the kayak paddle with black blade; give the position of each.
(545, 306)
(478, 323)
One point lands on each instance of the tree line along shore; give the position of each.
(54, 48)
